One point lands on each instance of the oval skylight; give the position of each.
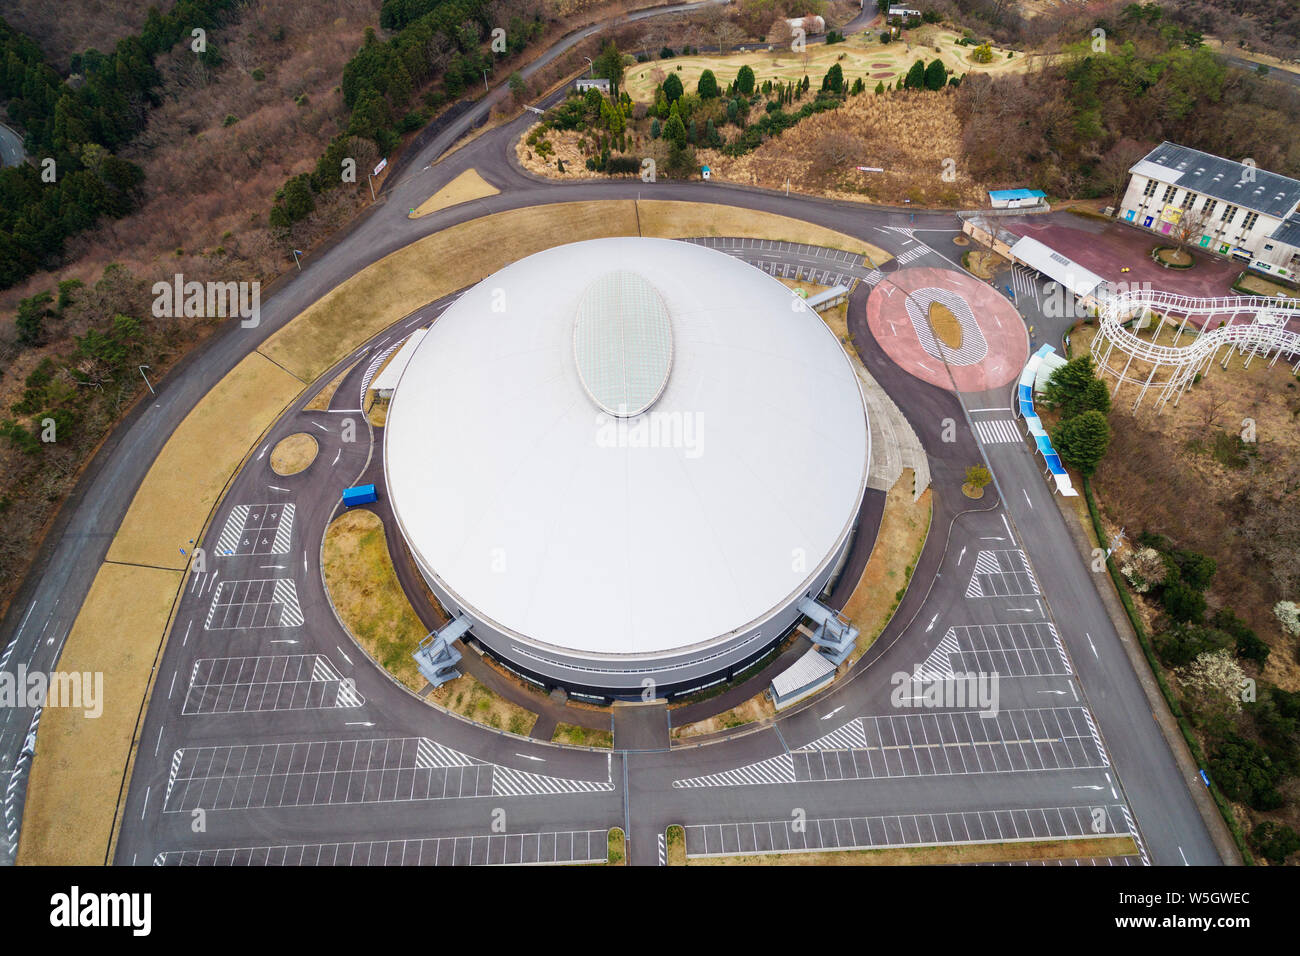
(623, 343)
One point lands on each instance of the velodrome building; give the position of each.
(626, 463)
(1243, 212)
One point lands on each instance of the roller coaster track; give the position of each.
(1263, 331)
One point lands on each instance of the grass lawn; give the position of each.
(469, 698)
(617, 847)
(582, 736)
(758, 707)
(465, 187)
(185, 480)
(367, 595)
(945, 325)
(77, 772)
(861, 55)
(676, 839)
(293, 454)
(937, 855)
(1258, 285)
(903, 528)
(401, 282)
(321, 400)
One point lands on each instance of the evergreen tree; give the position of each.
(915, 77)
(1082, 440)
(673, 88)
(707, 87)
(745, 81)
(936, 75)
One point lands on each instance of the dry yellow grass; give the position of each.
(982, 264)
(399, 283)
(911, 134)
(675, 220)
(321, 400)
(945, 325)
(77, 771)
(367, 595)
(758, 707)
(582, 736)
(860, 56)
(467, 186)
(469, 698)
(903, 528)
(293, 454)
(937, 855)
(185, 480)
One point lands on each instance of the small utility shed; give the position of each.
(809, 673)
(1016, 198)
(388, 377)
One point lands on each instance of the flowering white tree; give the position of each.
(1217, 674)
(1143, 569)
(1288, 616)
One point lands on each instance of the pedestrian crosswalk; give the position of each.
(908, 255)
(997, 431)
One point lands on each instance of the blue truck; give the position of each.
(359, 495)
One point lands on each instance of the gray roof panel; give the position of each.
(1228, 180)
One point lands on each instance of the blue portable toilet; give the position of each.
(359, 495)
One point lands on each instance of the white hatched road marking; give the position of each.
(997, 431)
(498, 849)
(259, 603)
(907, 830)
(778, 769)
(372, 368)
(845, 738)
(974, 347)
(1031, 649)
(228, 685)
(934, 743)
(233, 530)
(1002, 574)
(334, 772)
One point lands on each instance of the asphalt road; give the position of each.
(200, 760)
(11, 147)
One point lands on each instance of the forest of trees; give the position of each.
(1054, 127)
(447, 40)
(79, 123)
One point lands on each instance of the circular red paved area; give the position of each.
(993, 352)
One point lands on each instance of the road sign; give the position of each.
(380, 168)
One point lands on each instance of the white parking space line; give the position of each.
(334, 772)
(908, 830)
(229, 685)
(498, 849)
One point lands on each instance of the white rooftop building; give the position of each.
(1233, 208)
(627, 459)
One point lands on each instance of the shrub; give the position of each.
(983, 54)
(1275, 841)
(1244, 771)
(1183, 603)
(1184, 643)
(1249, 645)
(1074, 388)
(977, 476)
(1195, 569)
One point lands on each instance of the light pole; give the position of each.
(486, 88)
(143, 369)
(591, 69)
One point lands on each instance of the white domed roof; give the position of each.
(558, 521)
